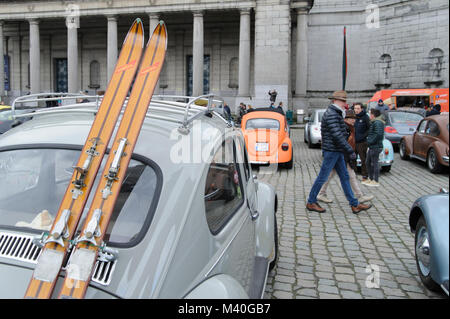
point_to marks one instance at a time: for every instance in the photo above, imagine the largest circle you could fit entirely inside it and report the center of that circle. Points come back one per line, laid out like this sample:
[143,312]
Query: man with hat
[334,149]
[382,107]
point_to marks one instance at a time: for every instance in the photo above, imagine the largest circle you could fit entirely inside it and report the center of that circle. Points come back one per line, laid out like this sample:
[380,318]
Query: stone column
[153,21]
[244,54]
[2,72]
[301,74]
[180,73]
[72,58]
[111,46]
[35,57]
[197,55]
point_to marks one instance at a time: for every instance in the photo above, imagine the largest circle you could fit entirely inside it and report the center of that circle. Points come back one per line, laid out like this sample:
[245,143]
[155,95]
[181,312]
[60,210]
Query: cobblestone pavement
[336,254]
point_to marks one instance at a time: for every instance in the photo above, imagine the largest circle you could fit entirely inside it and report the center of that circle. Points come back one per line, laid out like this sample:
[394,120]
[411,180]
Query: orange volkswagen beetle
[266,134]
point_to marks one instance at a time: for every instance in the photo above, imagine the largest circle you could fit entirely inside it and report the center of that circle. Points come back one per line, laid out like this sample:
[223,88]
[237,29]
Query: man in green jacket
[375,138]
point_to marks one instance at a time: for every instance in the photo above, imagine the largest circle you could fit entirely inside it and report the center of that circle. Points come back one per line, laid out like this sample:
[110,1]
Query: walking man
[334,147]
[362,125]
[375,138]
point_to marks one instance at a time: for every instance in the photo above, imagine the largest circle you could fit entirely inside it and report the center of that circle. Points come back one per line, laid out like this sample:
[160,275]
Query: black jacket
[362,125]
[376,133]
[334,131]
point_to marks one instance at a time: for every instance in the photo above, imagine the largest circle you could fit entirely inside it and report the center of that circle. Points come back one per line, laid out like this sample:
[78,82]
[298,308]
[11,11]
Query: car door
[419,140]
[228,216]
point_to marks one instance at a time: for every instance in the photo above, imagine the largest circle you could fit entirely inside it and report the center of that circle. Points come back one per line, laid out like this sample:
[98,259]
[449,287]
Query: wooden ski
[56,242]
[90,242]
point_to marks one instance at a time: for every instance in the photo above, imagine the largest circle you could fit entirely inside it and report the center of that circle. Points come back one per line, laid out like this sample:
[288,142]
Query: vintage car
[401,122]
[429,143]
[385,159]
[428,219]
[312,134]
[182,227]
[266,134]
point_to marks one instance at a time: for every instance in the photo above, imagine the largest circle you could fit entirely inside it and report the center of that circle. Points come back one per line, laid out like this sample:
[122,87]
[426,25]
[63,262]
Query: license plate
[262,147]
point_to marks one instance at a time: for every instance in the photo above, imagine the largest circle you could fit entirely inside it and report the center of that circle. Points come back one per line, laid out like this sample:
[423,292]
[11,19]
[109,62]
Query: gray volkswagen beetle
[429,220]
[191,220]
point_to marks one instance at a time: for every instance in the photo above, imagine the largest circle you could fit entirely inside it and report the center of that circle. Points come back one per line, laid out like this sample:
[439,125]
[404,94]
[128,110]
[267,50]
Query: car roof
[159,135]
[264,113]
[440,118]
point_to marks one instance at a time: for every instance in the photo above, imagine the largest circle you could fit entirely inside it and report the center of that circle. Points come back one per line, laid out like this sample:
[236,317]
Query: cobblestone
[330,255]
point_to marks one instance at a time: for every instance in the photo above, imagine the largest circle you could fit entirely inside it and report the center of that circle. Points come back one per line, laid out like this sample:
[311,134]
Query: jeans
[372,163]
[353,182]
[333,160]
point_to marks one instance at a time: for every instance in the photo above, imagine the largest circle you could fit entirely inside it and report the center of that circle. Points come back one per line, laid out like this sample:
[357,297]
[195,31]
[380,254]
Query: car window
[320,114]
[242,157]
[35,180]
[7,114]
[432,129]
[262,123]
[404,118]
[422,126]
[223,188]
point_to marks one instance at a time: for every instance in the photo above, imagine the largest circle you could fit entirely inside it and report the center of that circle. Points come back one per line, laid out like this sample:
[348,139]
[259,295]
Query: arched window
[436,57]
[384,67]
[234,73]
[94,75]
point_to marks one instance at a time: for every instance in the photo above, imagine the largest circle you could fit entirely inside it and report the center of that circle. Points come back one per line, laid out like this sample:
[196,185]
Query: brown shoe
[360,207]
[315,208]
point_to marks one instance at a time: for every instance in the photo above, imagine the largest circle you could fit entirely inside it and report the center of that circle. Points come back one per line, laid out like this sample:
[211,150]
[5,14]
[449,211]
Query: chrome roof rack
[34,99]
[190,108]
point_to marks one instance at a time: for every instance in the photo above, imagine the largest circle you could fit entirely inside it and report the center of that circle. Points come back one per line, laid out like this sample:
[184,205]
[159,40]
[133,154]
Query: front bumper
[445,159]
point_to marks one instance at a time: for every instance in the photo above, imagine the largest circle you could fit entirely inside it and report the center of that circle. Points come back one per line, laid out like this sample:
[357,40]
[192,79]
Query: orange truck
[411,98]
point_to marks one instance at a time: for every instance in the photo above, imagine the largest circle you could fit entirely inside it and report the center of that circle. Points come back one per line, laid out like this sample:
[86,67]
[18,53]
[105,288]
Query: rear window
[320,114]
[33,182]
[404,118]
[262,123]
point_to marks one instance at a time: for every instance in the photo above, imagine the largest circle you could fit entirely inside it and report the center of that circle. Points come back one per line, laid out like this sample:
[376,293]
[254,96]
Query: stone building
[237,49]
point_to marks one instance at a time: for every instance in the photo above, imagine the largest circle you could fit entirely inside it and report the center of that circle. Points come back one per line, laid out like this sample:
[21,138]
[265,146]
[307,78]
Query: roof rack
[34,99]
[191,108]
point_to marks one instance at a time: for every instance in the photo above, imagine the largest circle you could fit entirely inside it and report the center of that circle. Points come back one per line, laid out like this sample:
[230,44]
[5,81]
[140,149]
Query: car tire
[402,151]
[432,162]
[274,262]
[386,169]
[290,164]
[422,252]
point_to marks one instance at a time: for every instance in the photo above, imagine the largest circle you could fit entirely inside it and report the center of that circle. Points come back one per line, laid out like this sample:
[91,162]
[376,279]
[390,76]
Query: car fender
[408,143]
[388,145]
[434,208]
[218,287]
[265,241]
[439,147]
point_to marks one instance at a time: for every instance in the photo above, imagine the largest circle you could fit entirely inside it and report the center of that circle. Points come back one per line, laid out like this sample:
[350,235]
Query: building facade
[237,49]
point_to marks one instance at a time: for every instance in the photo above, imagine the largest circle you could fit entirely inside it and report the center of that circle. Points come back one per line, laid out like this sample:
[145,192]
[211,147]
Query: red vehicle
[411,98]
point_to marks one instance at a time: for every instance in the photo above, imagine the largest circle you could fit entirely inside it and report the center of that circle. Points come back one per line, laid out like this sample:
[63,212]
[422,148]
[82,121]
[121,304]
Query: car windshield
[33,183]
[262,123]
[404,118]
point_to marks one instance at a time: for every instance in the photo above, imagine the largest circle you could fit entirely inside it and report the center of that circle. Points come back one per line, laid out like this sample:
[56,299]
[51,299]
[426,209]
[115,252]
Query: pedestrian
[242,111]
[273,95]
[375,138]
[350,119]
[382,107]
[334,147]
[436,110]
[362,125]
[227,112]
[280,106]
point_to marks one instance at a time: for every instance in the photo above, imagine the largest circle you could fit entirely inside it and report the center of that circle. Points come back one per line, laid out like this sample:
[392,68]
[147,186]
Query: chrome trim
[19,247]
[445,158]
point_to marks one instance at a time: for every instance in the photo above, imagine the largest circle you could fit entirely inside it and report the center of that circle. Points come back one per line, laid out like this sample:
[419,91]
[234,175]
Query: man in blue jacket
[334,147]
